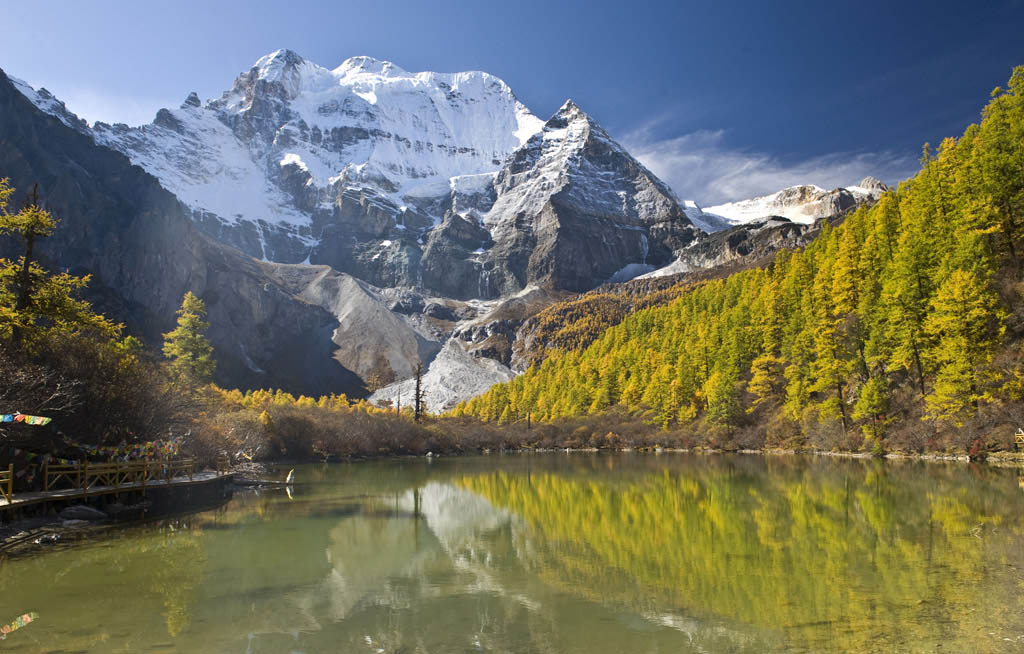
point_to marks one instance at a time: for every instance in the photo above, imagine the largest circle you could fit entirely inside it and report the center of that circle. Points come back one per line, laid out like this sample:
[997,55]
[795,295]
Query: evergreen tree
[766,380]
[962,322]
[35,304]
[417,397]
[722,389]
[871,405]
[186,346]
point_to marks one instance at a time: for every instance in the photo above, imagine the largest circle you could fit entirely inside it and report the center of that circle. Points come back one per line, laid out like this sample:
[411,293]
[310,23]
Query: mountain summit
[440,182]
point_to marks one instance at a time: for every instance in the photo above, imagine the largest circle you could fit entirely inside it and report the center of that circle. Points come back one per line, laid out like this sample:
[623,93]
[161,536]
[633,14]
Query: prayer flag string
[21,417]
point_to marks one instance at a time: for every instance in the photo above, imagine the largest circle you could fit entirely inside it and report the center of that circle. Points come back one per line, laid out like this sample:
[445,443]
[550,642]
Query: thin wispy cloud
[699,166]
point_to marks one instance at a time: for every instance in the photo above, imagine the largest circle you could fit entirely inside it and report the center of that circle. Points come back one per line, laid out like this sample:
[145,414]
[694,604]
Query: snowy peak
[362,166]
[595,211]
[399,140]
[569,115]
[282,74]
[569,111]
[869,186]
[368,66]
[276,65]
[804,203]
[47,103]
[575,158]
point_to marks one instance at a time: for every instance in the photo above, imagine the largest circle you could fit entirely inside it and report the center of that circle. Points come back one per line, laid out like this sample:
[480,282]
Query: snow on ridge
[430,126]
[676,267]
[801,203]
[364,64]
[208,169]
[48,104]
[631,271]
[705,220]
[292,158]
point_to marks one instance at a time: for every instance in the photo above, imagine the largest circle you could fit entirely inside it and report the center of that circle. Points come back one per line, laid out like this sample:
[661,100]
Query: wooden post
[10,482]
[84,485]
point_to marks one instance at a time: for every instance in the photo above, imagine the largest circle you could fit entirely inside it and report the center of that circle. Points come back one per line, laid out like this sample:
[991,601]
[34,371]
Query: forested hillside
[900,328]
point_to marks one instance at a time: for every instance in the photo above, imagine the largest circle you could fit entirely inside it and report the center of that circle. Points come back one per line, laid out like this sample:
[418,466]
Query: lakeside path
[21,500]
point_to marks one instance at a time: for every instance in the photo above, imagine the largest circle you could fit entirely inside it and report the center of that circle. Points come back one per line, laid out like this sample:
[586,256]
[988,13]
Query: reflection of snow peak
[367,551]
[456,516]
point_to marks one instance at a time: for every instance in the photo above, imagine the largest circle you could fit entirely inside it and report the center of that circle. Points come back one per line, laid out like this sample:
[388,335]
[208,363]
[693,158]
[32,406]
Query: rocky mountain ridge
[444,183]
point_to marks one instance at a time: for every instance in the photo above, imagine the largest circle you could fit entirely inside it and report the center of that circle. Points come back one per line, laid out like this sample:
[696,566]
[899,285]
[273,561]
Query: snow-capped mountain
[293,147]
[754,229]
[442,182]
[801,204]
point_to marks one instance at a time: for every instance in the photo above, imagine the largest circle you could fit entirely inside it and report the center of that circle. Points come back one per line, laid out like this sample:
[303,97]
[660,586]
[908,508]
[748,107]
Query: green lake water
[563,553]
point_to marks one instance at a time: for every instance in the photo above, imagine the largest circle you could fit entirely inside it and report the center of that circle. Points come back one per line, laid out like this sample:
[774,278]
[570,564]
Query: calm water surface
[560,553]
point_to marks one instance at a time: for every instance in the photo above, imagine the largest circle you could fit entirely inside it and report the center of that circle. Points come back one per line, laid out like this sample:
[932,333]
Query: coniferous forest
[898,329]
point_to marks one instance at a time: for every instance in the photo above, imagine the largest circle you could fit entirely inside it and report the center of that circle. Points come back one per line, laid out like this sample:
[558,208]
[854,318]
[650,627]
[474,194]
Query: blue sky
[724,100]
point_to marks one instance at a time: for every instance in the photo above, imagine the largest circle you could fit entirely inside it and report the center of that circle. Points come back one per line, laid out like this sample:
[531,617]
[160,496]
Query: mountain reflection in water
[555,553]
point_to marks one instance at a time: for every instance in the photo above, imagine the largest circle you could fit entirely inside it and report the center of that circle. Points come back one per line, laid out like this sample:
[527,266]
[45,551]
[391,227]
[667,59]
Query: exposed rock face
[573,207]
[872,185]
[747,242]
[371,340]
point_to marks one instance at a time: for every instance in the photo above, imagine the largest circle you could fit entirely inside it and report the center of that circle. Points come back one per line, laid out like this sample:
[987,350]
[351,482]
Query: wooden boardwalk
[85,480]
[26,499]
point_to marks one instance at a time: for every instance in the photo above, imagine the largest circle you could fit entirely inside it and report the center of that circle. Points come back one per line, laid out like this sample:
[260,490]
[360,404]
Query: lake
[593,553]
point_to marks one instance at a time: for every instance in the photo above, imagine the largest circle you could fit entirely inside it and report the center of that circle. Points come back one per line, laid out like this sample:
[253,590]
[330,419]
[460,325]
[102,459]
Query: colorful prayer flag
[21,417]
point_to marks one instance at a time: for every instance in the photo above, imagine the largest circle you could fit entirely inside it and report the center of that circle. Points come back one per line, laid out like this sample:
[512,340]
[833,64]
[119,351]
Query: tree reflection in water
[556,553]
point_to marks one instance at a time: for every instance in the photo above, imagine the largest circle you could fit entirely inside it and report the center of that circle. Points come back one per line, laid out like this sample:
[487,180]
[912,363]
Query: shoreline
[1000,458]
[38,533]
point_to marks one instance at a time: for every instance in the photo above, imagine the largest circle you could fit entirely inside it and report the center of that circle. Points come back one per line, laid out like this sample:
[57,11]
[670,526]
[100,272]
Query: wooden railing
[223,463]
[85,475]
[7,483]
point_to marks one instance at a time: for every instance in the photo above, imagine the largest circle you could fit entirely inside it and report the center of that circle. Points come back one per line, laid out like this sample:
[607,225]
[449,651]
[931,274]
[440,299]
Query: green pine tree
[186,346]
[35,304]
